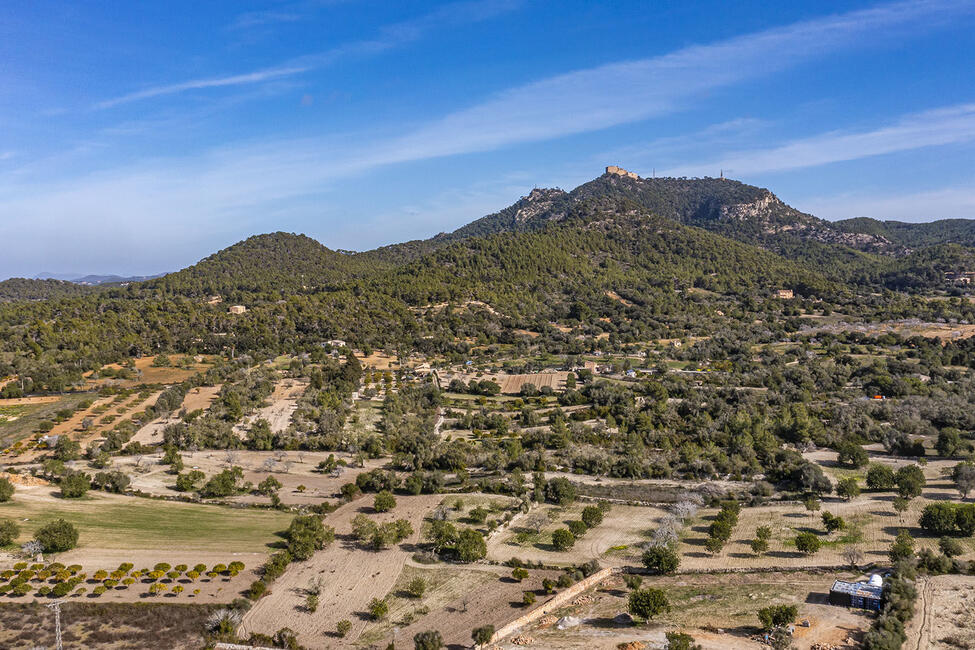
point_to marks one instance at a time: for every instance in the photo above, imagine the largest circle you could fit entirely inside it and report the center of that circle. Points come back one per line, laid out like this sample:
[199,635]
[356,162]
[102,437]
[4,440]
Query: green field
[135,523]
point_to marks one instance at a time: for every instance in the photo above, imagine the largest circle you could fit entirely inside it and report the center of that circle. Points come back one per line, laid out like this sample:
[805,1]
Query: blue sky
[140,137]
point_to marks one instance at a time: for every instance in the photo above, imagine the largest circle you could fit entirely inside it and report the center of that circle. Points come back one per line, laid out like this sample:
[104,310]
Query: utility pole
[56,606]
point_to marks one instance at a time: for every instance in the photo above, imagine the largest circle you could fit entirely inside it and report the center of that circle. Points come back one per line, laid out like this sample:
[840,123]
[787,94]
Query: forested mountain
[914,235]
[637,258]
[25,289]
[263,264]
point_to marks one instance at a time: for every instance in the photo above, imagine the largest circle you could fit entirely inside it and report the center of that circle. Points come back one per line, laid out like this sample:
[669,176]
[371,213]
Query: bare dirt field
[612,542]
[351,576]
[719,611]
[944,615]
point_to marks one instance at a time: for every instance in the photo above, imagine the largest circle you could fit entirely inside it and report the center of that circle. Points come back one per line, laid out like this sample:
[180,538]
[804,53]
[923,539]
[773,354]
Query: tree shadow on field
[796,515]
[914,531]
[883,513]
[697,554]
[695,541]
[785,554]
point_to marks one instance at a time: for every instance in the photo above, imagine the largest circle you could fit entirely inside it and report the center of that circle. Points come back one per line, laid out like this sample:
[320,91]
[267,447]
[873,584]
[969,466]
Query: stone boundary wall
[237,646]
[559,600]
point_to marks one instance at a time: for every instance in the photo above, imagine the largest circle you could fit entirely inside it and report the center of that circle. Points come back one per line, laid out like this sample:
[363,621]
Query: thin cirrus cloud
[213,188]
[390,37]
[942,126]
[197,84]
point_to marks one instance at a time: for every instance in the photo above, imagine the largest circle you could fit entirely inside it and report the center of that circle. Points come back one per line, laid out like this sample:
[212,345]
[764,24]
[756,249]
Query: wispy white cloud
[390,37]
[956,201]
[197,84]
[630,91]
[277,183]
[943,126]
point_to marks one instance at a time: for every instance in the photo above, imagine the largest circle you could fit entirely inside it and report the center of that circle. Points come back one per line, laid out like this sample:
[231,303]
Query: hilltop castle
[619,171]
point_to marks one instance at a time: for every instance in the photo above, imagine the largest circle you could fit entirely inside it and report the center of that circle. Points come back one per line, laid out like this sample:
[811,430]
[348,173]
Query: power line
[56,606]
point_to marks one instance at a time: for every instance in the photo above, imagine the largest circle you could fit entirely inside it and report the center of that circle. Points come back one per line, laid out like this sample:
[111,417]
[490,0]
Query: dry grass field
[352,577]
[292,469]
[944,615]
[718,610]
[613,542]
[457,600]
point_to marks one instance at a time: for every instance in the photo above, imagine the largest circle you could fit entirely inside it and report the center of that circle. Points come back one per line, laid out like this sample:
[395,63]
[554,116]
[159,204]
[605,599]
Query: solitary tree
[563,539]
[647,603]
[807,543]
[661,560]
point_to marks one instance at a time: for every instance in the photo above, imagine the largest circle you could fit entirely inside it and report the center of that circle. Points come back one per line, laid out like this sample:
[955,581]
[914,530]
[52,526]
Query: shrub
[880,477]
[832,522]
[482,635]
[57,536]
[378,609]
[428,640]
[577,528]
[343,627]
[632,581]
[950,547]
[776,615]
[6,490]
[470,545]
[257,589]
[563,539]
[592,516]
[661,560]
[807,543]
[647,603]
[75,485]
[416,587]
[528,598]
[519,574]
[9,530]
[384,501]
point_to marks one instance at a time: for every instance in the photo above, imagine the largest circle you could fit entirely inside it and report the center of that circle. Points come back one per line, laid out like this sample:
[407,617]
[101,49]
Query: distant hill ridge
[614,210]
